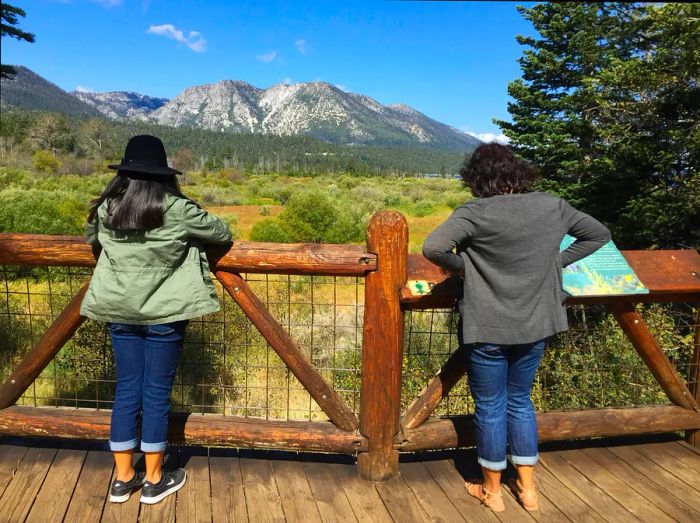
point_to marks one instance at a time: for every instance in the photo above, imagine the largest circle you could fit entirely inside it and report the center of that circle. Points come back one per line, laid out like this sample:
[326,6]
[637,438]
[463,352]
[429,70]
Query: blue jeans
[500,379]
[146,357]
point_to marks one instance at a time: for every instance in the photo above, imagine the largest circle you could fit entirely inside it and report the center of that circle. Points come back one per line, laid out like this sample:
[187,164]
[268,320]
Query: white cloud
[82,89]
[487,137]
[287,80]
[300,44]
[341,87]
[267,57]
[194,40]
[107,3]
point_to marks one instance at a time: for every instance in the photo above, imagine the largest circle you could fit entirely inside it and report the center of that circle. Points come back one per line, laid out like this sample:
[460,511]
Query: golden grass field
[247,215]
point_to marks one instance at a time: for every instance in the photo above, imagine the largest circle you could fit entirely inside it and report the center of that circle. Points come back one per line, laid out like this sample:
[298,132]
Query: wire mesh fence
[228,368]
[592,365]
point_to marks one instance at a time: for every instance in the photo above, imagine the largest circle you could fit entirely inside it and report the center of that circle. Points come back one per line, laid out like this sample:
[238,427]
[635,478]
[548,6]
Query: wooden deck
[47,480]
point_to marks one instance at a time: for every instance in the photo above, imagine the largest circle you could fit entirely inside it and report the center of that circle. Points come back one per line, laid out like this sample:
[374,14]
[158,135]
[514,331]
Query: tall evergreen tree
[8,27]
[607,108]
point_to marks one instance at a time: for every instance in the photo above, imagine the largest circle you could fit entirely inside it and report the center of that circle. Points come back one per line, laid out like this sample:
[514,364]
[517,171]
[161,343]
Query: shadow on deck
[650,479]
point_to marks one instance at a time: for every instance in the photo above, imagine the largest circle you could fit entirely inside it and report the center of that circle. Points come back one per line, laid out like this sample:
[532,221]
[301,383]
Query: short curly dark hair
[494,169]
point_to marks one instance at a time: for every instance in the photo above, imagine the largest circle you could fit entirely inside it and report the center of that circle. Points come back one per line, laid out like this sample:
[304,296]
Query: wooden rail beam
[438,388]
[670,276]
[289,258]
[655,358]
[191,429]
[458,431]
[382,346]
[290,353]
[60,331]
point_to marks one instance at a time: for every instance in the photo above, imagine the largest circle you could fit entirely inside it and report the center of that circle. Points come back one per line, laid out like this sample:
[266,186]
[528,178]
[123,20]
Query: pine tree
[8,27]
[607,107]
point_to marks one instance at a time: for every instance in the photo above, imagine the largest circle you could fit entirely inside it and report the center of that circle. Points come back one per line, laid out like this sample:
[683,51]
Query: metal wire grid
[430,337]
[593,365]
[226,366]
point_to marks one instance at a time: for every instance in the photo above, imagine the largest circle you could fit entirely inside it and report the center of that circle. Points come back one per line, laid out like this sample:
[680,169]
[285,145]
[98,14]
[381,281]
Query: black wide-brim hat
[145,154]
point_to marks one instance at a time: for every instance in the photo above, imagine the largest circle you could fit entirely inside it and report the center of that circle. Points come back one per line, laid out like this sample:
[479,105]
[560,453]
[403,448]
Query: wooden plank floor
[651,480]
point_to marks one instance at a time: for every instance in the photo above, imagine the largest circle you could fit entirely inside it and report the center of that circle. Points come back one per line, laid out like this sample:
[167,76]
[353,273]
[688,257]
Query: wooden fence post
[693,436]
[382,345]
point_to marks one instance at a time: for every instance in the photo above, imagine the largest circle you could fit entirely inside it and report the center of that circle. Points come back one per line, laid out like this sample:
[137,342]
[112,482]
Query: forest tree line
[84,145]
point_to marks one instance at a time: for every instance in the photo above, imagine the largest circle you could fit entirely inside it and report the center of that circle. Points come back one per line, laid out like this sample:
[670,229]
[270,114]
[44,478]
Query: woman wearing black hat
[151,277]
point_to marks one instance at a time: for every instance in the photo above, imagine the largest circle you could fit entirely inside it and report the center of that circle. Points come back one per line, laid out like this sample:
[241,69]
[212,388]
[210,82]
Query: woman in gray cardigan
[507,250]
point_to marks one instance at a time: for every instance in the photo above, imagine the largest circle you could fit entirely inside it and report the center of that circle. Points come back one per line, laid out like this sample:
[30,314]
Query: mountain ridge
[29,90]
[121,104]
[317,109]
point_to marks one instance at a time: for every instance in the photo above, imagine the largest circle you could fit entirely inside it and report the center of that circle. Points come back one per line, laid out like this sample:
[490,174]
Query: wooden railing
[381,431]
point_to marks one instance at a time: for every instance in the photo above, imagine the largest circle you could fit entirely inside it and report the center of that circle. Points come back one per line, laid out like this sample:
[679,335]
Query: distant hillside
[28,90]
[316,109]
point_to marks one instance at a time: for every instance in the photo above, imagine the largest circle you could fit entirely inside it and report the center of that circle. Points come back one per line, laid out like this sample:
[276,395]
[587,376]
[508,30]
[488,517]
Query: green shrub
[219,196]
[232,222]
[455,199]
[423,208]
[308,216]
[349,227]
[45,161]
[10,177]
[393,200]
[268,230]
[42,212]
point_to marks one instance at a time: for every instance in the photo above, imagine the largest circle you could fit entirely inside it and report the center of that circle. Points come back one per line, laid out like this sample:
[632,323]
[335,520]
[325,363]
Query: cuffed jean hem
[524,460]
[153,447]
[493,465]
[117,446]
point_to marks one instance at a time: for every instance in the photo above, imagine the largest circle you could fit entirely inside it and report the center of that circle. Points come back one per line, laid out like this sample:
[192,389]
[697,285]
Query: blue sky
[450,60]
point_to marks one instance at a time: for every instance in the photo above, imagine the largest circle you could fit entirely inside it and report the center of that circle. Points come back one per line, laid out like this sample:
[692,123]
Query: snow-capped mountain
[121,104]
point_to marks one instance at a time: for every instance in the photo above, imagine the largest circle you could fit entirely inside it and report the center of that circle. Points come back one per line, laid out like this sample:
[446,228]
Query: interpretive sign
[602,273]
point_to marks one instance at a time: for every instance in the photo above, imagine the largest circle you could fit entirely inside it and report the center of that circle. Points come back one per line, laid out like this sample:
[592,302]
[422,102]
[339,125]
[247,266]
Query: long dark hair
[494,169]
[136,201]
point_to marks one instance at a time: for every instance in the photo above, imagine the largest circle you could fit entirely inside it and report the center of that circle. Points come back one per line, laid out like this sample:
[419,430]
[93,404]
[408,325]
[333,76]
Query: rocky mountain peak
[317,109]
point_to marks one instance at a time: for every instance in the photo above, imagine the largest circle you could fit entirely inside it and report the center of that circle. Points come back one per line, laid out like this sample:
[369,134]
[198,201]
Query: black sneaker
[121,491]
[169,482]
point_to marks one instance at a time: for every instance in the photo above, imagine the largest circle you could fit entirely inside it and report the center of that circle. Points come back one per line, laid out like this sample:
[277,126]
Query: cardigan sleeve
[590,235]
[457,230]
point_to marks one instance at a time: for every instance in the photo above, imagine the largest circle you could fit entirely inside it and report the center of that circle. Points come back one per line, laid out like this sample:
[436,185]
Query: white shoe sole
[155,499]
[125,497]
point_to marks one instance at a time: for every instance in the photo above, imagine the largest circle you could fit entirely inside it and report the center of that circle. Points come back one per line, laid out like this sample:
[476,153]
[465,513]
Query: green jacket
[156,276]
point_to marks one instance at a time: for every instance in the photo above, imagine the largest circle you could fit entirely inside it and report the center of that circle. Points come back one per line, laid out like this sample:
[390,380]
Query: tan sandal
[527,497]
[492,500]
